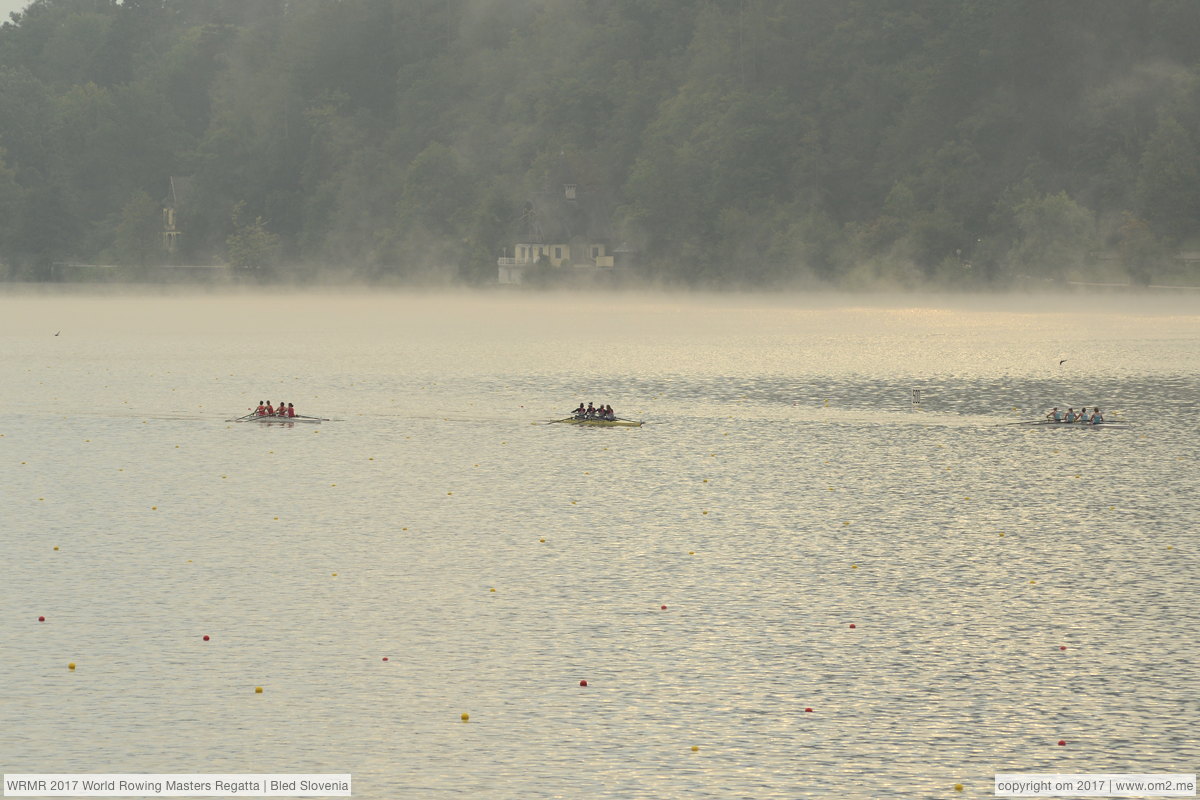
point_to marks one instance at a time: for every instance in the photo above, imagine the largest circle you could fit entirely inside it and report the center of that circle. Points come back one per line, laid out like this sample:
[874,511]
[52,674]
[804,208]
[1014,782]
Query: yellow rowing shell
[603,423]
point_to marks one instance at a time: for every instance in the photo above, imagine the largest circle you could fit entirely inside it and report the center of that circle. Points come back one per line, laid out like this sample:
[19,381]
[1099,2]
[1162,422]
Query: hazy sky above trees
[9,6]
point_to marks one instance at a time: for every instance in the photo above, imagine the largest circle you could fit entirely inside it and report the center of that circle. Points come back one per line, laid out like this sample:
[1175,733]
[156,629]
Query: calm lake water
[783,489]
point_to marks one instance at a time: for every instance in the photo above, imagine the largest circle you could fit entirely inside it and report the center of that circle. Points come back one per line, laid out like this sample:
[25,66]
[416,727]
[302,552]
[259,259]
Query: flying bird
[1060,363]
[56,333]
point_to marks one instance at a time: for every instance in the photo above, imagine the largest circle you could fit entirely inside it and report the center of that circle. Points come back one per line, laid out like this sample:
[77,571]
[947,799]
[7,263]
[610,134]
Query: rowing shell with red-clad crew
[269,413]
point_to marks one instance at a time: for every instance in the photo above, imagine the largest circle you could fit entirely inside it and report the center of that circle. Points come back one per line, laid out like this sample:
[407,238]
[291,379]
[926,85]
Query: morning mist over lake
[530,399]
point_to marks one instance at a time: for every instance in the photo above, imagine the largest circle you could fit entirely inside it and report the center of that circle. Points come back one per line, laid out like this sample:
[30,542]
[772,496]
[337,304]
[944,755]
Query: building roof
[554,216]
[177,191]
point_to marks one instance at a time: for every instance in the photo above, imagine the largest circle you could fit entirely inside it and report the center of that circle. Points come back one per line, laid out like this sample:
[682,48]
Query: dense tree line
[746,142]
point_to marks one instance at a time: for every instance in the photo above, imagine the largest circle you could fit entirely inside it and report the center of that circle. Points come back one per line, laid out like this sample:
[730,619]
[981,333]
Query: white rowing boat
[274,419]
[597,422]
[1049,423]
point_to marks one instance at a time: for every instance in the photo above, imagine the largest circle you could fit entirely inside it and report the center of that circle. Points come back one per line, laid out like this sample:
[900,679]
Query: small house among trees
[563,232]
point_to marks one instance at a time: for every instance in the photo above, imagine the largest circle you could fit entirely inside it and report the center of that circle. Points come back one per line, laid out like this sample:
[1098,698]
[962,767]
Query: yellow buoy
[55,547]
[541,540]
[854,566]
[491,590]
[695,748]
[703,512]
[958,787]
[71,665]
[465,716]
[258,690]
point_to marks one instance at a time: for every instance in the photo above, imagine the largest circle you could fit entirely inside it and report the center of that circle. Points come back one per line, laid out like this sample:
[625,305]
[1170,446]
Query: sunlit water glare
[783,488]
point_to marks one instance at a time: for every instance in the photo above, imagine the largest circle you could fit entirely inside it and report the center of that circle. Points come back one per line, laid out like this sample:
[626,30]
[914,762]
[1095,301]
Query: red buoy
[664,608]
[1062,647]
[41,619]
[808,710]
[385,658]
[852,625]
[1062,742]
[583,683]
[206,637]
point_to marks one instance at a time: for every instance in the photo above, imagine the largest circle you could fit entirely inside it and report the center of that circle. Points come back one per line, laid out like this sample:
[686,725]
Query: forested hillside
[744,142]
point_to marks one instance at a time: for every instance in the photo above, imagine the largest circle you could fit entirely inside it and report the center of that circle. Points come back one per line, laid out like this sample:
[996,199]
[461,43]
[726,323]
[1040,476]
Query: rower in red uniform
[270,409]
[282,410]
[262,410]
[291,412]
